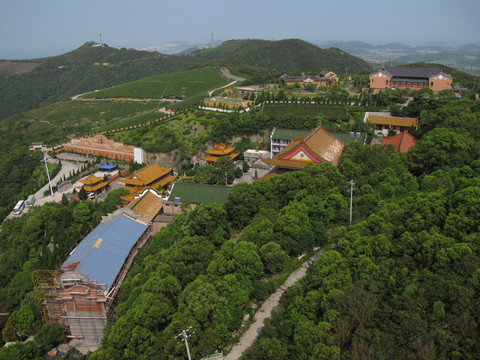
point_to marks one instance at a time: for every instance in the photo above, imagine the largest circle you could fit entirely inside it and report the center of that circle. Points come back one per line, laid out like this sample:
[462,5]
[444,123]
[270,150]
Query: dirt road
[250,336]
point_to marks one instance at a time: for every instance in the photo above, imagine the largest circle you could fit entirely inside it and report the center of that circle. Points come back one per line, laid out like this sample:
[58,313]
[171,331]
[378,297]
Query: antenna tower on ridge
[213,44]
[101,43]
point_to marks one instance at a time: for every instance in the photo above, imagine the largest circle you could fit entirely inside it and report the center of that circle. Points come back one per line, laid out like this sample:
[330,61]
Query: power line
[185,337]
[416,338]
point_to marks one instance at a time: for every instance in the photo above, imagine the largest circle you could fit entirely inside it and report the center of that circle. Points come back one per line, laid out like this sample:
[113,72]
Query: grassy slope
[178,84]
[58,122]
[185,132]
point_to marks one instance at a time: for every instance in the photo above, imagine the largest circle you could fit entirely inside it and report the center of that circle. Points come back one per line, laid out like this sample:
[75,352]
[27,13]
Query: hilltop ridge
[88,67]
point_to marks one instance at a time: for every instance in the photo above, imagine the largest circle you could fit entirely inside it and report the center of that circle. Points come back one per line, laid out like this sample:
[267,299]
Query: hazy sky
[37,28]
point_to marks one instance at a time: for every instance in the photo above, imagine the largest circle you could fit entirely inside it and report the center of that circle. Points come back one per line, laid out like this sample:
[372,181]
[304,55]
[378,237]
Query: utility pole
[351,199]
[185,337]
[48,175]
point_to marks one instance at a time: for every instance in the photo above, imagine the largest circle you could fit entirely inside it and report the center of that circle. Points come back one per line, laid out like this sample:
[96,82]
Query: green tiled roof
[199,193]
[285,134]
[347,139]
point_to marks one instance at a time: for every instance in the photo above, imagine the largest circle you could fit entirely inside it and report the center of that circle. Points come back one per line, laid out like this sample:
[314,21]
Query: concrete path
[251,335]
[67,167]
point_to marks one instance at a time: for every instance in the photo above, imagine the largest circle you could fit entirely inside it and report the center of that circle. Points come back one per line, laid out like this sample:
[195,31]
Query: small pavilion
[94,184]
[218,151]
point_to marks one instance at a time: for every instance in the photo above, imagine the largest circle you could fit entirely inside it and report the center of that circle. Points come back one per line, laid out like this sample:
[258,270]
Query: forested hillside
[402,282]
[89,68]
[84,69]
[291,55]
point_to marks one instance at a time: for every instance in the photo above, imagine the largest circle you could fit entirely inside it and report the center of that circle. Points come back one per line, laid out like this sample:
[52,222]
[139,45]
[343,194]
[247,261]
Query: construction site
[80,296]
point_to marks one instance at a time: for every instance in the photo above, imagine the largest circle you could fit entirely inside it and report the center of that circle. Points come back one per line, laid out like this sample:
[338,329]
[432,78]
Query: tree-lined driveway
[251,335]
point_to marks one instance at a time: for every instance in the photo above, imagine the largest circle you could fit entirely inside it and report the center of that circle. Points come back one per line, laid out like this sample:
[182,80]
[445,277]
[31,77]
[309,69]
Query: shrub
[238,173]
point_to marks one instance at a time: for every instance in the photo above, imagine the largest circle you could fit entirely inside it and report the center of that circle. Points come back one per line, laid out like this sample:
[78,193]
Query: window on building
[386,82]
[431,84]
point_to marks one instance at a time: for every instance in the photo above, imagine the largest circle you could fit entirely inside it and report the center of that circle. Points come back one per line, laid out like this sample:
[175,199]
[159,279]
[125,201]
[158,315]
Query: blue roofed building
[107,167]
[95,269]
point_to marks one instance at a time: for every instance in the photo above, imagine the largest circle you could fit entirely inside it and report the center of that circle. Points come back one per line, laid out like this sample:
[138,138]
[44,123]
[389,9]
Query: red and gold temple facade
[317,147]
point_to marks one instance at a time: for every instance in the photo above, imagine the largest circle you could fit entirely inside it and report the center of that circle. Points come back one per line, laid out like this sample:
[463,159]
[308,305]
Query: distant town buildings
[325,78]
[102,146]
[410,78]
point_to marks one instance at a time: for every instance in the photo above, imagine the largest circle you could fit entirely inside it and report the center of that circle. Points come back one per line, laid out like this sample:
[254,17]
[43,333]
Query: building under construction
[81,298]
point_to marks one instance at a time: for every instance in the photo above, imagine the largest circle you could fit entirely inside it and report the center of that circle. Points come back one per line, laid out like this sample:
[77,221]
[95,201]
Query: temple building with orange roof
[410,78]
[384,122]
[317,147]
[148,205]
[325,78]
[100,145]
[93,184]
[218,151]
[401,142]
[151,176]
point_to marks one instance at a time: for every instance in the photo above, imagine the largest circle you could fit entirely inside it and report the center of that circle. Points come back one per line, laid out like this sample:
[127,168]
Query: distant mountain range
[355,46]
[28,84]
[465,57]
